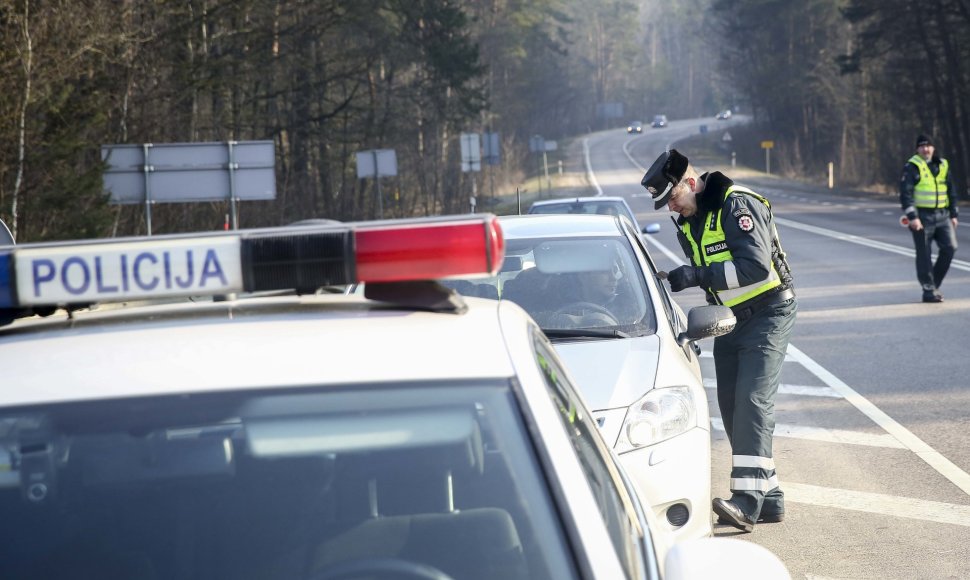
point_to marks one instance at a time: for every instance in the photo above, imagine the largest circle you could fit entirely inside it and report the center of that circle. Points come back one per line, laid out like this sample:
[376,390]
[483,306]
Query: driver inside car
[594,299]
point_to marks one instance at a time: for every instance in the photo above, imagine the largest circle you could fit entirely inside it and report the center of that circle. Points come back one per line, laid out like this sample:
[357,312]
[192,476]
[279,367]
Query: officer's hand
[915,224]
[684,277]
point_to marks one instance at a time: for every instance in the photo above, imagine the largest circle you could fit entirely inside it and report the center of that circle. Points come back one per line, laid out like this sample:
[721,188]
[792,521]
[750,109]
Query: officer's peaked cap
[665,173]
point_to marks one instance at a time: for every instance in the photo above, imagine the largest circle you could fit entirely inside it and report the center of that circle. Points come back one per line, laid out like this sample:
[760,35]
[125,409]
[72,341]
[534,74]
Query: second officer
[735,255]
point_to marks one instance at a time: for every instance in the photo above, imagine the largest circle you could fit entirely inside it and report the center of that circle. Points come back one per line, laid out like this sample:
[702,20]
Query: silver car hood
[612,373]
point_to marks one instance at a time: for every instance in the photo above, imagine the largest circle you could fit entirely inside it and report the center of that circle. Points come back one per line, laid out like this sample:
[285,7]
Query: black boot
[732,515]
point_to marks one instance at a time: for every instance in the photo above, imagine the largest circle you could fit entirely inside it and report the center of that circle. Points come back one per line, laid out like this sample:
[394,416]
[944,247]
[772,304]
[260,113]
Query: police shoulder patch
[741,211]
[745,223]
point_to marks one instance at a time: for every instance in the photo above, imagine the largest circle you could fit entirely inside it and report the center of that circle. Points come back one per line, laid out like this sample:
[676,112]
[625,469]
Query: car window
[575,283]
[612,496]
[277,484]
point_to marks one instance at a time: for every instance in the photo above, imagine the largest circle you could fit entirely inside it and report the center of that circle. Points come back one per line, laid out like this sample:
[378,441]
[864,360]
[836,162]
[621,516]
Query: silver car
[592,287]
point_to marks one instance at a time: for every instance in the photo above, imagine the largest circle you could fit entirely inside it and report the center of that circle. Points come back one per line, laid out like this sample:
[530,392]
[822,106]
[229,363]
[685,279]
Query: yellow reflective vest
[713,248]
[930,192]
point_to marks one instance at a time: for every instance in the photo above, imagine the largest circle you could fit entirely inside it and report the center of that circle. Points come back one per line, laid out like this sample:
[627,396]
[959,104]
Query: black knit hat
[665,173]
[923,140]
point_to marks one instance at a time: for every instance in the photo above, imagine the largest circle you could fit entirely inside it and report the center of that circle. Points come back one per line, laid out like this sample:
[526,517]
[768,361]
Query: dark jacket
[907,184]
[752,252]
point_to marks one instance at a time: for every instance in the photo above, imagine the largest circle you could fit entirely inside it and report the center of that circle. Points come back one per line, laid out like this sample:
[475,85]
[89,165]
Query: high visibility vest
[713,249]
[930,192]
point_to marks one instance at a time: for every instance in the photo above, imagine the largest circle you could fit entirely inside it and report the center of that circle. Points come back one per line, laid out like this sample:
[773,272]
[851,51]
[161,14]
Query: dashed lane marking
[820,434]
[877,503]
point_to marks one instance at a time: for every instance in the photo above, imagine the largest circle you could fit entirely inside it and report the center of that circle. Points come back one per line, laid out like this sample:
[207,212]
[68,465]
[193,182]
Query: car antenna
[518,200]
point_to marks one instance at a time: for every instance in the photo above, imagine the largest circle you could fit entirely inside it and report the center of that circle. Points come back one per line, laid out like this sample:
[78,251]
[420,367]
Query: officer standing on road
[930,204]
[729,236]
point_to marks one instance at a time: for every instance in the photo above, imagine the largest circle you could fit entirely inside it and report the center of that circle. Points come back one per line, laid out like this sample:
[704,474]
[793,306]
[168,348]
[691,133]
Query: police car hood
[612,373]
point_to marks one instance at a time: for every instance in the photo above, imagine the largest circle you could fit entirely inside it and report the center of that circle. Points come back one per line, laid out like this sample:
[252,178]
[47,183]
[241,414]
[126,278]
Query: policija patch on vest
[715,248]
[745,223]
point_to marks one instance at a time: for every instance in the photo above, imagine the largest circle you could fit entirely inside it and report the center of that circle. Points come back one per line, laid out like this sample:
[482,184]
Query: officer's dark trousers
[748,364]
[936,227]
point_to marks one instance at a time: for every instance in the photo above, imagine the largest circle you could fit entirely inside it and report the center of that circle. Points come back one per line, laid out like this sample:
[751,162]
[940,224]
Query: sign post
[492,155]
[471,160]
[377,163]
[767,145]
[538,145]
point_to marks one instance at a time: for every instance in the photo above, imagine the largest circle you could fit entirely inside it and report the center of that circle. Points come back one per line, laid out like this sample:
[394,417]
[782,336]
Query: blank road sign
[187,172]
[471,152]
[376,163]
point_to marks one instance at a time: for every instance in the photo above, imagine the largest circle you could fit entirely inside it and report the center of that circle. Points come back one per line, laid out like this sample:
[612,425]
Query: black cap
[665,173]
[923,140]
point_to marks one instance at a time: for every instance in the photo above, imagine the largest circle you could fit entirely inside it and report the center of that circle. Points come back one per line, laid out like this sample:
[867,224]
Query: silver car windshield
[278,485]
[571,284]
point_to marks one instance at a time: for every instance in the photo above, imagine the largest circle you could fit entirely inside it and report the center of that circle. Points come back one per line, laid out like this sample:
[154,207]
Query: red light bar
[429,250]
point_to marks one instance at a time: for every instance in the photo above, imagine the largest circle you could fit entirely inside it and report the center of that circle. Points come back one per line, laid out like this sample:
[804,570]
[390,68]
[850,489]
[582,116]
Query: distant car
[635,127]
[593,205]
[659,121]
[724,115]
[593,288]
[276,432]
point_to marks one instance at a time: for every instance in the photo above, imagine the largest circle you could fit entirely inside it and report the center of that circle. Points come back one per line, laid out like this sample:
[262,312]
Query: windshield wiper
[584,333]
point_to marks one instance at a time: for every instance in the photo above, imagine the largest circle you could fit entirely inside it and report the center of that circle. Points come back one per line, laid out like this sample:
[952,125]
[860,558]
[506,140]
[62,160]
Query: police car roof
[249,344]
[559,225]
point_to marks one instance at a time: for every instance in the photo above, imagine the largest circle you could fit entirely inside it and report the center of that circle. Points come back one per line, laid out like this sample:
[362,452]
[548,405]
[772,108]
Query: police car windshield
[276,485]
[572,284]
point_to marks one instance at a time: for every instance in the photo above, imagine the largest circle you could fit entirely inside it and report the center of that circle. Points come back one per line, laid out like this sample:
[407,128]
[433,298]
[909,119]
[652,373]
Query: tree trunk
[27,56]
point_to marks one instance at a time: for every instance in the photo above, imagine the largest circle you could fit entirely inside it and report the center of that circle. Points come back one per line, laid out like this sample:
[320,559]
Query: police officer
[929,202]
[729,237]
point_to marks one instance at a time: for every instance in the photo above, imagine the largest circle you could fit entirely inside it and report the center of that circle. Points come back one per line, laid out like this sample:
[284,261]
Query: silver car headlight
[658,416]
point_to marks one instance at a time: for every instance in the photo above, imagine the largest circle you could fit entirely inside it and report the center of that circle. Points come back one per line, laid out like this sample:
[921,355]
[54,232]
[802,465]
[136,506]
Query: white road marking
[935,459]
[908,252]
[673,257]
[589,168]
[786,389]
[839,436]
[877,503]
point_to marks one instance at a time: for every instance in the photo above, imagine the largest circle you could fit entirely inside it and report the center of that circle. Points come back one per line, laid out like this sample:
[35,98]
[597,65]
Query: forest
[845,81]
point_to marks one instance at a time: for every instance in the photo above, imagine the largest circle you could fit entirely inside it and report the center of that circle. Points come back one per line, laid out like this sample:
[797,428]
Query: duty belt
[748,308]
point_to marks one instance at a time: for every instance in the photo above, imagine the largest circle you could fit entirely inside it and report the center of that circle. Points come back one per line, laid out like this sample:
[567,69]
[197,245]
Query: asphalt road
[871,443]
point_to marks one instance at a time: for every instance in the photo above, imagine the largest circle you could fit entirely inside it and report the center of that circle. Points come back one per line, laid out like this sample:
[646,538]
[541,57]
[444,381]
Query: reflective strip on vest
[930,191]
[715,250]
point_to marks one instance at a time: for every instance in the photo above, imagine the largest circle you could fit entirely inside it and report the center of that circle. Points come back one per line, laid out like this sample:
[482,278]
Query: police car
[196,408]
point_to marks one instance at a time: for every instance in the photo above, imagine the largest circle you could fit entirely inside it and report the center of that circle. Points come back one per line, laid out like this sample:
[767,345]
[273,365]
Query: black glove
[684,277]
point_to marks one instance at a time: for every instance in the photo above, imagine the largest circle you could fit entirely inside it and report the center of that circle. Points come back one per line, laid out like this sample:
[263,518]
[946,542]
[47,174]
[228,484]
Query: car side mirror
[707,322]
[651,228]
